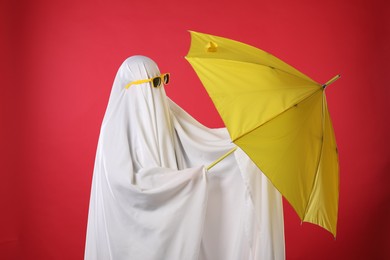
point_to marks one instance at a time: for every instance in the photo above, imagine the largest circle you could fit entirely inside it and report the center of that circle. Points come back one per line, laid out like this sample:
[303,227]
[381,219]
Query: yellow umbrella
[279,117]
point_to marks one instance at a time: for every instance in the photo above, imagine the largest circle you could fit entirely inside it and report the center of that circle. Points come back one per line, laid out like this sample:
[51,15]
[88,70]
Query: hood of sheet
[151,197]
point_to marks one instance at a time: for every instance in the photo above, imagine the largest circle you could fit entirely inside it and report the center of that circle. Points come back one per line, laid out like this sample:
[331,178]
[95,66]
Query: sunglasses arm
[137,82]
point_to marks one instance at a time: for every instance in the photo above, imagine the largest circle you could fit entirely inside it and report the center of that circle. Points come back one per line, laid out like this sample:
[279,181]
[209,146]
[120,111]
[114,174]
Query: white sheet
[151,196]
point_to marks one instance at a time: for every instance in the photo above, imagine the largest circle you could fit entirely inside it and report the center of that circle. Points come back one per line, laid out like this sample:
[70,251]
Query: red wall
[59,59]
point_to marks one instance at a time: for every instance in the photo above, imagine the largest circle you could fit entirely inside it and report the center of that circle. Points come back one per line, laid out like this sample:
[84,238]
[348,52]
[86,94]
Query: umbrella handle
[221,158]
[331,81]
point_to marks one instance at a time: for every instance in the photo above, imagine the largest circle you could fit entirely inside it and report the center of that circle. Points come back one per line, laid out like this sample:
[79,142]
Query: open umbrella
[279,117]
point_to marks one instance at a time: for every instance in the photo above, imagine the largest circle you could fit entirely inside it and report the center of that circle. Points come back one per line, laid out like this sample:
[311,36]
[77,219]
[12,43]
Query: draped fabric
[151,196]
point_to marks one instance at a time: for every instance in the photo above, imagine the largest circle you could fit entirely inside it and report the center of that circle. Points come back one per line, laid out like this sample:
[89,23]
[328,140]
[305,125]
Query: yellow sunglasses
[156,81]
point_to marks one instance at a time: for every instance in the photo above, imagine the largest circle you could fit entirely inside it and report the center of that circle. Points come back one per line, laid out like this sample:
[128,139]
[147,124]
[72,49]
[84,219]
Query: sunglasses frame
[141,81]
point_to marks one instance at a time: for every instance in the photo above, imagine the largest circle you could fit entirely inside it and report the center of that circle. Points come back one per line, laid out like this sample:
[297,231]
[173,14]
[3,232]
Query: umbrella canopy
[279,117]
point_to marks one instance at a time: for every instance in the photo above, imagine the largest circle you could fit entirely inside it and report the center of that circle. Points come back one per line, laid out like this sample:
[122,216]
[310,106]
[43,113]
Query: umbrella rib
[248,132]
[318,159]
[246,62]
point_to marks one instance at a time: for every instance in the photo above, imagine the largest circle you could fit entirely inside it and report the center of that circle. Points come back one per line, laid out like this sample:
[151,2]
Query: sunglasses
[156,81]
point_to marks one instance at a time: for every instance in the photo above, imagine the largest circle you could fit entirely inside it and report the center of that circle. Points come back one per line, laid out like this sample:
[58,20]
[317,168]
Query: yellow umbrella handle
[331,81]
[221,158]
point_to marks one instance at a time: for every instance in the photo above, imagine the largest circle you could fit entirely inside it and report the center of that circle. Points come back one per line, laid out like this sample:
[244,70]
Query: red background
[59,59]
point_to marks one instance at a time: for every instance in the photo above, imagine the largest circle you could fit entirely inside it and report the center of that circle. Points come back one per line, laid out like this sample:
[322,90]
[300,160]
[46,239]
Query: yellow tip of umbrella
[332,80]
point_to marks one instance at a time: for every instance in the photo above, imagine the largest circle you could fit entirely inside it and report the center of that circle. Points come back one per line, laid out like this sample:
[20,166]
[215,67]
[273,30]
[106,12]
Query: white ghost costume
[151,197]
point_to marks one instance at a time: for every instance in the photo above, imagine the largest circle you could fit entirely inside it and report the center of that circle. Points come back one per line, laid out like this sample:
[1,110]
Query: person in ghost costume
[151,196]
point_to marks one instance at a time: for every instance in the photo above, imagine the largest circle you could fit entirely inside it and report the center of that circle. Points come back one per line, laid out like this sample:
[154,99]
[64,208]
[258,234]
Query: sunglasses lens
[166,78]
[156,82]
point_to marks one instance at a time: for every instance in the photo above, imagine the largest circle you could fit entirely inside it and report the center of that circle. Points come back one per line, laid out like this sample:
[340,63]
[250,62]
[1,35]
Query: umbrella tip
[211,47]
[331,81]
